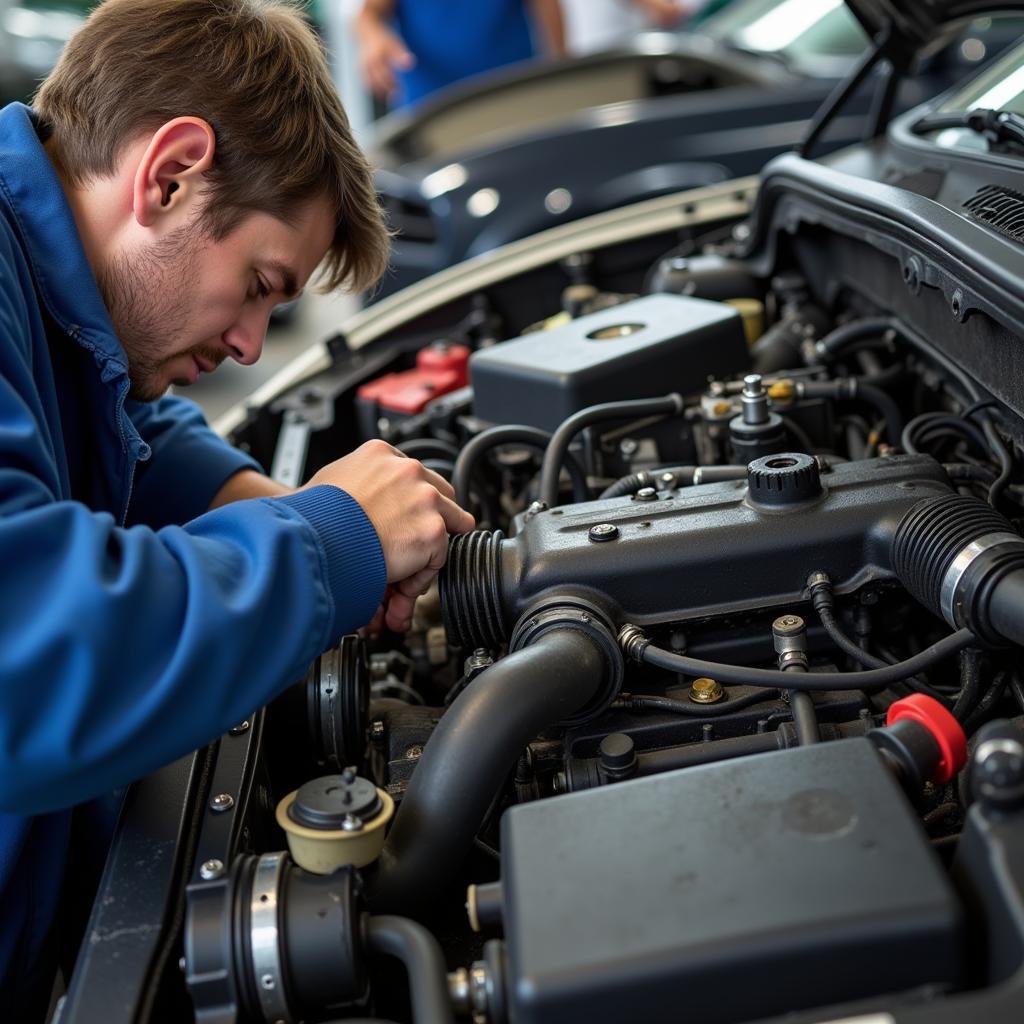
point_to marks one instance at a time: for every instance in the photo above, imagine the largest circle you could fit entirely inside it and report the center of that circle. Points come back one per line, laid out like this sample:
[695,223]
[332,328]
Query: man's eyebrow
[289,285]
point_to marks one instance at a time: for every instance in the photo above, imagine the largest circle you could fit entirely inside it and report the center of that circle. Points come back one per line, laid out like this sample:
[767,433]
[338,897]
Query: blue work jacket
[134,625]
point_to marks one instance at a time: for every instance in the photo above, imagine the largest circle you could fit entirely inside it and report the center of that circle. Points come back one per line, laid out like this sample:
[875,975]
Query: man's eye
[262,288]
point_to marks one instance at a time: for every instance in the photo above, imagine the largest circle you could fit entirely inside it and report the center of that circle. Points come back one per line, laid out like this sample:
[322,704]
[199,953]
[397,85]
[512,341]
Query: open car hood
[916,22]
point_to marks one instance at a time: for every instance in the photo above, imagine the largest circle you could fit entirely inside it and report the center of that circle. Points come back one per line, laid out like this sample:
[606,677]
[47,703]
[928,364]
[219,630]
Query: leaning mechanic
[186,167]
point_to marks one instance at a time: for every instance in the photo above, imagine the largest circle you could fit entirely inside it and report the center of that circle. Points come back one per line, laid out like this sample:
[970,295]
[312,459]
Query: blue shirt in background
[453,39]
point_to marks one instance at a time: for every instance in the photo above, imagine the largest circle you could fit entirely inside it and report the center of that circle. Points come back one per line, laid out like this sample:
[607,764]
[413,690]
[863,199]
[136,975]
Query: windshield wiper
[1000,127]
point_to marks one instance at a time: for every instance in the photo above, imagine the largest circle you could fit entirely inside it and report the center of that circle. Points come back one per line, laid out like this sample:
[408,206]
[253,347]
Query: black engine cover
[724,893]
[693,553]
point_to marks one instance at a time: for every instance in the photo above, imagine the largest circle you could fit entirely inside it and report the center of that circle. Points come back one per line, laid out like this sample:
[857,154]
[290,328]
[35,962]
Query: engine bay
[719,711]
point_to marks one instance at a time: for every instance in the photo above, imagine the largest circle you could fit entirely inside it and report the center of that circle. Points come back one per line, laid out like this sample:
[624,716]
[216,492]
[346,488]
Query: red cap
[944,729]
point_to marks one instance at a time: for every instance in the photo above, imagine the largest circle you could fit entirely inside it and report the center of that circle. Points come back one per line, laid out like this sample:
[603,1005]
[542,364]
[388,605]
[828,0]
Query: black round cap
[789,478]
[325,802]
[617,751]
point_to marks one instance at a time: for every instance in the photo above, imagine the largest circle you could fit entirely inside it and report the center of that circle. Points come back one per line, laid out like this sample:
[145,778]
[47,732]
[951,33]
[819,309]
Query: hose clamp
[264,939]
[951,596]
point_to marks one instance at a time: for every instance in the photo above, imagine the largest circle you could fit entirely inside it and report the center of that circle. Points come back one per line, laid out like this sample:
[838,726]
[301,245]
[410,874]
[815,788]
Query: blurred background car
[504,155]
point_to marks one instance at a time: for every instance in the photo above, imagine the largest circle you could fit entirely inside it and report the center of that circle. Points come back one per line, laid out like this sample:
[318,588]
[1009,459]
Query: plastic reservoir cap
[944,728]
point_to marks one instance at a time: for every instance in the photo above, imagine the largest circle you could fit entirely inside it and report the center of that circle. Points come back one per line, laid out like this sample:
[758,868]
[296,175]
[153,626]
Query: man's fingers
[439,482]
[456,519]
[399,612]
[417,584]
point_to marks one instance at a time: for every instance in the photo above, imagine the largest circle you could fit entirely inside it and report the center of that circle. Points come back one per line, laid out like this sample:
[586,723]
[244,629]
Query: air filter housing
[641,349]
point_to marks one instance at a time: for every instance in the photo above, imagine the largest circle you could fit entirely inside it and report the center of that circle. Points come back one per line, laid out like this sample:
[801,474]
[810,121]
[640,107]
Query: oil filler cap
[943,728]
[790,478]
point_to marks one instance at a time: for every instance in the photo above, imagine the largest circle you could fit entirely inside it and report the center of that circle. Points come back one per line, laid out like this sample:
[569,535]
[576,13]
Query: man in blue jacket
[185,167]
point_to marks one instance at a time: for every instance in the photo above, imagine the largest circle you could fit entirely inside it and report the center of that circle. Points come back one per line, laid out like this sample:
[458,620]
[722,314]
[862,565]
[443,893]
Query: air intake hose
[565,664]
[964,561]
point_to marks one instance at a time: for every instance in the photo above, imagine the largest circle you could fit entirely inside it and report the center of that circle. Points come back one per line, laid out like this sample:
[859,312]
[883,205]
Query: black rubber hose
[834,343]
[805,718]
[508,434]
[823,601]
[557,450]
[469,755]
[914,432]
[970,683]
[886,406]
[1006,607]
[976,719]
[868,680]
[420,952]
[682,476]
[428,448]
[637,702]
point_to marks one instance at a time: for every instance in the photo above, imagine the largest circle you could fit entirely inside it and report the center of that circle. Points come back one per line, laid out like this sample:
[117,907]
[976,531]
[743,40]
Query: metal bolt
[603,531]
[222,802]
[211,869]
[350,823]
[706,691]
[788,625]
[628,447]
[242,727]
[414,751]
[267,981]
[376,730]
[646,494]
[182,964]
[535,509]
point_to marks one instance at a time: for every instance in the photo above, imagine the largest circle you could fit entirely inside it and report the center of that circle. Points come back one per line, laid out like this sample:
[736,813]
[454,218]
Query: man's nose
[245,337]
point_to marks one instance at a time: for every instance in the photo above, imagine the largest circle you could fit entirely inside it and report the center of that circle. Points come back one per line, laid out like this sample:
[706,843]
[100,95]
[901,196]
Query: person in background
[411,48]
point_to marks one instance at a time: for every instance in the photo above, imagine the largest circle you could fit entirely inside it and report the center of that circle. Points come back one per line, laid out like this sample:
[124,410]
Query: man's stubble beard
[148,296]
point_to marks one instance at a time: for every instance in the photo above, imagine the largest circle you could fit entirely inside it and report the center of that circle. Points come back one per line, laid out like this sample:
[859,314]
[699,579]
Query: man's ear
[169,176]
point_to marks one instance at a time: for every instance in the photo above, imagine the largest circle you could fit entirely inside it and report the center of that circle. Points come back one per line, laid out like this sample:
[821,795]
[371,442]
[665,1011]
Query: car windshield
[1000,87]
[799,31]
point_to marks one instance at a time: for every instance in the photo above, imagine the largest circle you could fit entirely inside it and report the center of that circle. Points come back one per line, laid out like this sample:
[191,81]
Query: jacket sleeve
[188,465]
[124,648]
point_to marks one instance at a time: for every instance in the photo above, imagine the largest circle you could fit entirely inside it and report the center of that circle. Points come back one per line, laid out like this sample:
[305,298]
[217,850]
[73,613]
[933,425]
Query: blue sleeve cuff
[354,570]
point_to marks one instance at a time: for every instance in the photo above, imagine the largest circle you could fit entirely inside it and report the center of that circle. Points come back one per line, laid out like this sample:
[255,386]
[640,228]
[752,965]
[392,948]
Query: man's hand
[381,53]
[412,510]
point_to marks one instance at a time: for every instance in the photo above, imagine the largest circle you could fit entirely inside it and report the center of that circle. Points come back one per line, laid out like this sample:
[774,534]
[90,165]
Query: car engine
[717,713]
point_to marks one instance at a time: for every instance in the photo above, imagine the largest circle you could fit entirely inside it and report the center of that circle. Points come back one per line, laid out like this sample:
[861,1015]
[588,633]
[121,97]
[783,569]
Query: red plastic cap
[944,728]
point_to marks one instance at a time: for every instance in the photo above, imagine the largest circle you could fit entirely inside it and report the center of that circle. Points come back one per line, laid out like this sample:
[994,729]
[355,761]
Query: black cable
[913,433]
[421,954]
[886,406]
[805,719]
[866,680]
[642,702]
[976,719]
[970,683]
[557,450]
[824,604]
[508,434]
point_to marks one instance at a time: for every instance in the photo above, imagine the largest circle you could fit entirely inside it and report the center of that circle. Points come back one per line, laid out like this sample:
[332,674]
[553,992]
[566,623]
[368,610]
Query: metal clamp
[264,935]
[952,581]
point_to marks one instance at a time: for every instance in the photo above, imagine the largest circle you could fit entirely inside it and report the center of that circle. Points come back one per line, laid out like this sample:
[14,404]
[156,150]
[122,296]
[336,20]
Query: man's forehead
[293,248]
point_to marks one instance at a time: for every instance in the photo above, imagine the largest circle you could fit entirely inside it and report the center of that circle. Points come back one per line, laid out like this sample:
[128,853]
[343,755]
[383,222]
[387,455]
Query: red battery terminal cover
[440,368]
[944,729]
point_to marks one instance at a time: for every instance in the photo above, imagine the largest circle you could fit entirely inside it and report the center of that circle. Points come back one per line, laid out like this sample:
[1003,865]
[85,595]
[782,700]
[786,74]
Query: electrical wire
[865,680]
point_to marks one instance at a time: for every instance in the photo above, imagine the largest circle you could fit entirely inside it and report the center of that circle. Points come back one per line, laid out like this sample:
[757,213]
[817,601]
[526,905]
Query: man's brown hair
[255,71]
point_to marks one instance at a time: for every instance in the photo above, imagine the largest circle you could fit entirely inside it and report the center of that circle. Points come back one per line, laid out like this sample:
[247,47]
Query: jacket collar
[43,218]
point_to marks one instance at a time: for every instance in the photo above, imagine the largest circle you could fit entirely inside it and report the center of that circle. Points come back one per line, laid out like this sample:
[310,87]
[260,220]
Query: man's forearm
[247,483]
[547,17]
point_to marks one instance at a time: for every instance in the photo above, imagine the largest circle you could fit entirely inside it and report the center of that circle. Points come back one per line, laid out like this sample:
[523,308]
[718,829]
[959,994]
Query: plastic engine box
[647,347]
[723,893]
